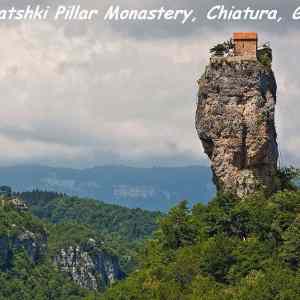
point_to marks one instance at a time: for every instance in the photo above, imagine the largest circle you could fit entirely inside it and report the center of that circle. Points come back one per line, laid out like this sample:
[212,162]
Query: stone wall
[245,47]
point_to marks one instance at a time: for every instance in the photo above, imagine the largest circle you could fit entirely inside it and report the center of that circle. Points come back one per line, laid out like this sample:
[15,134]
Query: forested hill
[228,250]
[128,224]
[146,188]
[39,260]
[53,246]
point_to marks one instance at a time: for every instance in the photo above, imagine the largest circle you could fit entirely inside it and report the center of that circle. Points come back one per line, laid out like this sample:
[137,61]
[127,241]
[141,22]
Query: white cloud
[96,96]
[133,99]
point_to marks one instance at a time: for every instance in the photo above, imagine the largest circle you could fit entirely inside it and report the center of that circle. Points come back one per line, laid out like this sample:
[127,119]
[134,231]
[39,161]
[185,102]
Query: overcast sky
[82,94]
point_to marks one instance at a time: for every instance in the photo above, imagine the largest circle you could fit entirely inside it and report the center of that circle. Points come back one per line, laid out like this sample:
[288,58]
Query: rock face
[27,239]
[235,123]
[19,233]
[14,202]
[88,266]
[34,244]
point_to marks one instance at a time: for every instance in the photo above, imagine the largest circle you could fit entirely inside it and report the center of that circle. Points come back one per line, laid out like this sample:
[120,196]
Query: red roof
[245,36]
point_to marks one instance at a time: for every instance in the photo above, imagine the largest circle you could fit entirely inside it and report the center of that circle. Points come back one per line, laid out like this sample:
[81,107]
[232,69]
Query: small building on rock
[245,44]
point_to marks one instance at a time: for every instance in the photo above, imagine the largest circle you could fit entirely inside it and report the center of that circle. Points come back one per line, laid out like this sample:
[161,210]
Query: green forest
[122,229]
[229,249]
[20,277]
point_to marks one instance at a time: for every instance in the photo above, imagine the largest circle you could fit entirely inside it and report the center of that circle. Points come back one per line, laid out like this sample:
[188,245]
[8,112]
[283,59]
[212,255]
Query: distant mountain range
[147,188]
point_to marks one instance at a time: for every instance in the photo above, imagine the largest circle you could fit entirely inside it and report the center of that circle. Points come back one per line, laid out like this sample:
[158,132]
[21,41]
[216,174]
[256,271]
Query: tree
[221,49]
[218,50]
[177,228]
[290,250]
[287,178]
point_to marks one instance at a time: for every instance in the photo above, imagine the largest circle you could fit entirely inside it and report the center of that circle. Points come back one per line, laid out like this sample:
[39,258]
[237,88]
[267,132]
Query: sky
[89,93]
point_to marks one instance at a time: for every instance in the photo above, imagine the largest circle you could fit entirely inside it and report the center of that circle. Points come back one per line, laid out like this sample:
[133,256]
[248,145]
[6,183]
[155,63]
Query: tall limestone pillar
[235,123]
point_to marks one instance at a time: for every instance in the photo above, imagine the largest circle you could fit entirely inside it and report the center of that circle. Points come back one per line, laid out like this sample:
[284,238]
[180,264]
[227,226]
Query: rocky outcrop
[33,243]
[235,123]
[89,266]
[25,237]
[19,232]
[18,204]
[14,202]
